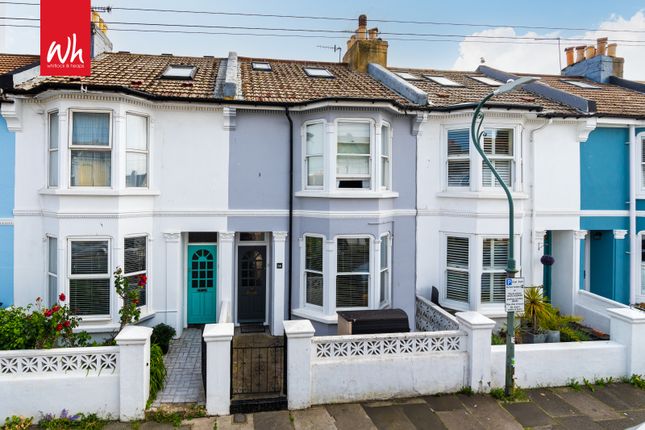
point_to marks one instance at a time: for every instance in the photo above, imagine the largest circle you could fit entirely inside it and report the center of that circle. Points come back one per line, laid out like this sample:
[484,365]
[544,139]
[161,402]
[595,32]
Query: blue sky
[443,55]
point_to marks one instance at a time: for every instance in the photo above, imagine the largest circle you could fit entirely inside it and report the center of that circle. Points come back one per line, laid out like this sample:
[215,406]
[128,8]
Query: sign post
[514,295]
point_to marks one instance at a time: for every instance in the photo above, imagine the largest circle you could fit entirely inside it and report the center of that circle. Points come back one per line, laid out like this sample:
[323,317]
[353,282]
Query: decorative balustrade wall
[430,317]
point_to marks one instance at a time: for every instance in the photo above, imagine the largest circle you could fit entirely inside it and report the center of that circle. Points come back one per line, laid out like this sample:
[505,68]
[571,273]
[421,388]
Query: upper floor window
[353,155]
[386,149]
[458,158]
[643,162]
[136,157]
[498,146]
[90,150]
[89,277]
[314,150]
[52,147]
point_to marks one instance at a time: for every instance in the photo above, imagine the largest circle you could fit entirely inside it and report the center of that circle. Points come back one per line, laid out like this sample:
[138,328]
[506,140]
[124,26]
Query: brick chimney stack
[597,63]
[100,42]
[365,47]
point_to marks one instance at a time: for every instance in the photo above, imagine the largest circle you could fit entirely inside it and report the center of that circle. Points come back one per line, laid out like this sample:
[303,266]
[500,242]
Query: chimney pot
[602,45]
[373,33]
[580,53]
[590,52]
[569,53]
[611,49]
[362,21]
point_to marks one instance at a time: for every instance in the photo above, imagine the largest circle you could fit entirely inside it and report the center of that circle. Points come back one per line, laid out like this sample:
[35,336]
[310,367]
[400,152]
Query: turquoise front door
[202,284]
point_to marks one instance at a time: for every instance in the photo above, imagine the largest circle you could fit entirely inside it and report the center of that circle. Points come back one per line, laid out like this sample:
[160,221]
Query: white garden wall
[556,364]
[112,382]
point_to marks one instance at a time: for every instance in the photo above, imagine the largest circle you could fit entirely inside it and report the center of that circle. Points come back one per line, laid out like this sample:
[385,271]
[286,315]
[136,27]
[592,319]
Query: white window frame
[371,156]
[640,153]
[370,275]
[640,294]
[144,308]
[451,303]
[305,156]
[468,157]
[477,162]
[91,148]
[108,276]
[386,241]
[493,158]
[51,274]
[138,151]
[490,271]
[50,150]
[381,174]
[325,275]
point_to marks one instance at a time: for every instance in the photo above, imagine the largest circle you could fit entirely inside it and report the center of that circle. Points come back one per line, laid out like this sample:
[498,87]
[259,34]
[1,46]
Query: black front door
[251,283]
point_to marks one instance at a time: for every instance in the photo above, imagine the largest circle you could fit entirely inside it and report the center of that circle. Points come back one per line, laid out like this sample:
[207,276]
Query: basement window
[408,76]
[486,80]
[318,72]
[442,80]
[179,72]
[582,84]
[263,66]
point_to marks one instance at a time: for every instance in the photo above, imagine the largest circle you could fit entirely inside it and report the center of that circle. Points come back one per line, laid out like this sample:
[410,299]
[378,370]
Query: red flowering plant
[129,289]
[58,325]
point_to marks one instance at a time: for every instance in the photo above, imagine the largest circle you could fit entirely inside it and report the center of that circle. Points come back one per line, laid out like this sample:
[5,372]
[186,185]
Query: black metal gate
[258,373]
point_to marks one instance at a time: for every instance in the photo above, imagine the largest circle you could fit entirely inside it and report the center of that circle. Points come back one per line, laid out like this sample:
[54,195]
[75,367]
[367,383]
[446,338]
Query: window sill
[103,326]
[367,194]
[315,315]
[98,191]
[493,195]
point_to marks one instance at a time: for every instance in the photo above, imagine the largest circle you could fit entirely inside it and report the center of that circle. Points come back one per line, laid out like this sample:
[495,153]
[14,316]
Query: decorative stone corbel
[172,236]
[417,122]
[585,127]
[620,234]
[539,238]
[580,234]
[12,113]
[229,118]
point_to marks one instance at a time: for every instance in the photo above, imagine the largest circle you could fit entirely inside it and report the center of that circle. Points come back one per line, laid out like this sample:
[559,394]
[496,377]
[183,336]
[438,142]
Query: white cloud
[538,58]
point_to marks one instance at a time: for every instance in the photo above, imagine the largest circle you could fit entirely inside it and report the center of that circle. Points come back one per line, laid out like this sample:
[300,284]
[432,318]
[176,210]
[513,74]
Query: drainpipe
[533,175]
[633,242]
[290,233]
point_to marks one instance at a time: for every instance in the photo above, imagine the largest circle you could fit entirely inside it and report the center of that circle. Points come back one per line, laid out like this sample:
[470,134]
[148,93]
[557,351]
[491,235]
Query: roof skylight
[442,80]
[318,72]
[582,84]
[264,66]
[408,76]
[179,72]
[486,80]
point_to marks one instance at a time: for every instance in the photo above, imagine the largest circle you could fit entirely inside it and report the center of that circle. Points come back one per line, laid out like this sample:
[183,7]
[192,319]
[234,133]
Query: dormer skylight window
[487,81]
[318,72]
[408,76]
[582,84]
[179,72]
[262,66]
[442,80]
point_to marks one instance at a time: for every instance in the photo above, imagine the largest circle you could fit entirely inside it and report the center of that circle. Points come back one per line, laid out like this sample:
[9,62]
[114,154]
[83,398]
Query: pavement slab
[621,424]
[422,417]
[389,418]
[633,396]
[448,402]
[226,423]
[587,405]
[313,419]
[459,420]
[350,416]
[528,414]
[610,399]
[205,423]
[578,423]
[489,413]
[272,420]
[553,405]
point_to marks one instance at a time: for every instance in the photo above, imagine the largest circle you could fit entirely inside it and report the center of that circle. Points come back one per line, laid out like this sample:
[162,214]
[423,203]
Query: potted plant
[537,312]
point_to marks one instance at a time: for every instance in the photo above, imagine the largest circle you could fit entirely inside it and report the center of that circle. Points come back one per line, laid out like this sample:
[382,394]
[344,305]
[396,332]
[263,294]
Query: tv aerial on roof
[334,48]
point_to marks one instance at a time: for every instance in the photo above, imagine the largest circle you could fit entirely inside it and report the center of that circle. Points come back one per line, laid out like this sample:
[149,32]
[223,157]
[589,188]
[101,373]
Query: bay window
[52,153]
[136,155]
[498,146]
[386,149]
[89,277]
[352,272]
[314,279]
[384,285]
[458,158]
[52,270]
[495,255]
[90,150]
[353,155]
[135,265]
[457,269]
[314,159]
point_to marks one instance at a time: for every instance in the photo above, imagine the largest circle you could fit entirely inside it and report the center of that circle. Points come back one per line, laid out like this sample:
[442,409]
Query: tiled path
[183,364]
[618,406]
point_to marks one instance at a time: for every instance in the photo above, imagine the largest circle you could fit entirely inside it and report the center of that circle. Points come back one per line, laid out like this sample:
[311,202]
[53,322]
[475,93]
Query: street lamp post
[477,133]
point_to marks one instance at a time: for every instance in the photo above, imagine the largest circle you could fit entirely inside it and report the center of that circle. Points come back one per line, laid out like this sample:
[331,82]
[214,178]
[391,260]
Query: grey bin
[373,321]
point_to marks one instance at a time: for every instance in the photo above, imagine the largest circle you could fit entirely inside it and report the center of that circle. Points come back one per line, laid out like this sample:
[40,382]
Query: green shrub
[162,334]
[157,372]
[497,339]
[571,334]
[17,423]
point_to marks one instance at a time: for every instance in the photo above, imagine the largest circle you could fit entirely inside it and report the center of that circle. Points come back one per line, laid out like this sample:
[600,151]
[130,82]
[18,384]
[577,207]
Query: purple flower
[63,413]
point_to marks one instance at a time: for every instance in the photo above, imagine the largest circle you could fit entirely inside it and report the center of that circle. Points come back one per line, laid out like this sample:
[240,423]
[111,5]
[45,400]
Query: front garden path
[183,364]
